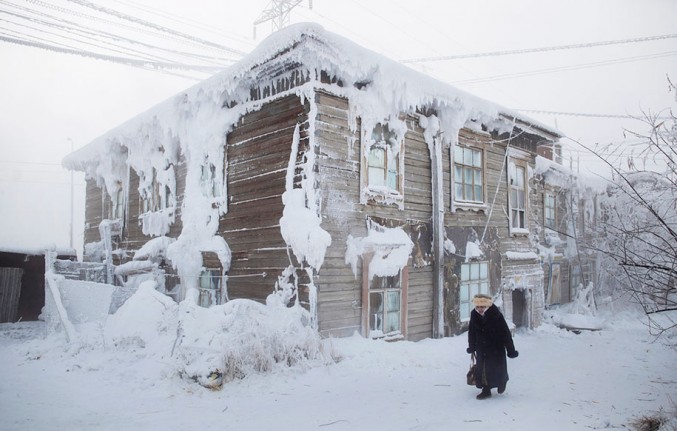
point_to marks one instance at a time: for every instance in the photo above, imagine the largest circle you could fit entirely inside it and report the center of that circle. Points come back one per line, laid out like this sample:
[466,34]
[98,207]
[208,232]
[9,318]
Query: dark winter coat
[489,337]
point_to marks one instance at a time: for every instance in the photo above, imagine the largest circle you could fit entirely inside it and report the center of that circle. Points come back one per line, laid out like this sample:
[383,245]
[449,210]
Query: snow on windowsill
[382,196]
[519,231]
[521,255]
[468,206]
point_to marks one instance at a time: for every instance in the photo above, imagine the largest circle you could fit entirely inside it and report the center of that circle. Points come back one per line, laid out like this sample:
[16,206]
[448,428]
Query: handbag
[470,377]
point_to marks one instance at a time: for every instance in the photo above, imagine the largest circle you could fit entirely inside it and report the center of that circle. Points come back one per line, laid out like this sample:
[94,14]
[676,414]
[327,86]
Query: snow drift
[215,345]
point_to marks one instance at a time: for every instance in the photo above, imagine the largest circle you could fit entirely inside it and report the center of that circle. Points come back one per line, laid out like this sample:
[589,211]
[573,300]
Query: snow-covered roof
[390,85]
[38,250]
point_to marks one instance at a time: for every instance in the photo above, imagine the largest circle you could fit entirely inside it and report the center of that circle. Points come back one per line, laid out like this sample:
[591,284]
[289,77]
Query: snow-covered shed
[378,197]
[22,280]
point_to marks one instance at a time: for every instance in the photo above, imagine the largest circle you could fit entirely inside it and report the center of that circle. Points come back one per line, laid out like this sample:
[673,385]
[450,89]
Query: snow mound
[230,341]
[147,318]
[215,345]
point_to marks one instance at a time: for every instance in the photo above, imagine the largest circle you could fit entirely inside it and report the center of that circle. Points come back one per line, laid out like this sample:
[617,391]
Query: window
[165,194]
[210,287]
[549,214]
[474,280]
[118,207]
[385,306]
[208,182]
[518,196]
[468,175]
[383,164]
[157,196]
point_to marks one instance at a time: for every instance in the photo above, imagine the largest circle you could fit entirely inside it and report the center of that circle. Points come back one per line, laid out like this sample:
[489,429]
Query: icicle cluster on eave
[387,87]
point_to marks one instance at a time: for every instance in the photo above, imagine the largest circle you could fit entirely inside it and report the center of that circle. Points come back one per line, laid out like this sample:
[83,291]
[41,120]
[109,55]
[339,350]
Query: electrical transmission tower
[277,13]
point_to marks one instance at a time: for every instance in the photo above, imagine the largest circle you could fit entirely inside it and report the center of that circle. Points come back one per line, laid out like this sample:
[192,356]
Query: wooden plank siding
[340,291]
[257,153]
[491,222]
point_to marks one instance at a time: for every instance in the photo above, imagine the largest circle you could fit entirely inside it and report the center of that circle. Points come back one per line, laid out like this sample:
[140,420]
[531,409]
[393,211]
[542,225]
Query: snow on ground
[561,381]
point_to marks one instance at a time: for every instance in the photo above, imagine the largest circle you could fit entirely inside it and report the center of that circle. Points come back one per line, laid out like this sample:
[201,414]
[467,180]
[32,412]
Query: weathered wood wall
[340,294]
[258,150]
[491,223]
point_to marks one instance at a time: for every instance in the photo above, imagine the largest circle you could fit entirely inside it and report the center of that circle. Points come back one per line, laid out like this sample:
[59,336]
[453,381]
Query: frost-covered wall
[198,135]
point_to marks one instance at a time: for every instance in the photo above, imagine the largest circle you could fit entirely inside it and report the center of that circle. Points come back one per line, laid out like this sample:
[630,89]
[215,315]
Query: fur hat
[482,300]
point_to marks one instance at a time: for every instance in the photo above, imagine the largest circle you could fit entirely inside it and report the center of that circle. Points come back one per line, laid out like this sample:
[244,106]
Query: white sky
[54,102]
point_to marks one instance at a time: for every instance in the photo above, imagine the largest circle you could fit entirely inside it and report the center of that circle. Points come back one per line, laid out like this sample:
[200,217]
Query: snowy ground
[560,381]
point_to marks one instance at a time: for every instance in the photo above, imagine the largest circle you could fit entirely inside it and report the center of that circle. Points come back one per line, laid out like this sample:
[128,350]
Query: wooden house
[377,197]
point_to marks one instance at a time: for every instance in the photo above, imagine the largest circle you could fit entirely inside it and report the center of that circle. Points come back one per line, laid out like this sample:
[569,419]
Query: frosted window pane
[465,272]
[458,154]
[467,157]
[474,271]
[376,311]
[376,176]
[477,159]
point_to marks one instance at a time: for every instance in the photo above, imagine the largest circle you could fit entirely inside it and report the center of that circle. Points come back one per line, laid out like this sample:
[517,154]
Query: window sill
[391,336]
[382,196]
[168,210]
[469,206]
[519,231]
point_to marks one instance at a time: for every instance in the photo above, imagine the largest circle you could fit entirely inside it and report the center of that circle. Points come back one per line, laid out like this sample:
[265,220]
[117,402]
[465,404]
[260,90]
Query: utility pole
[277,12]
[70,235]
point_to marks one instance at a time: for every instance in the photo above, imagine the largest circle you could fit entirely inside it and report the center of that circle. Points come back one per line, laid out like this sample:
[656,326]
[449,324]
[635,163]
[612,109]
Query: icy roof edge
[323,51]
[38,250]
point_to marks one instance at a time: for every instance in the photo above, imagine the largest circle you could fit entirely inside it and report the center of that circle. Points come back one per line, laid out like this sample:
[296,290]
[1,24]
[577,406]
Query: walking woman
[489,338]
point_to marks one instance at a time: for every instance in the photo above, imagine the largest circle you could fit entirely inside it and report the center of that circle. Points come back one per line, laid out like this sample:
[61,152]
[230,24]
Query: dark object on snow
[486,393]
[489,338]
[470,377]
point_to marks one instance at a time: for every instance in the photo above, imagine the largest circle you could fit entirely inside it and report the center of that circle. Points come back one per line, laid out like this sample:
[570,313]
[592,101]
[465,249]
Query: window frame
[465,301]
[524,210]
[550,222]
[482,171]
[208,184]
[211,295]
[367,290]
[159,198]
[117,210]
[379,137]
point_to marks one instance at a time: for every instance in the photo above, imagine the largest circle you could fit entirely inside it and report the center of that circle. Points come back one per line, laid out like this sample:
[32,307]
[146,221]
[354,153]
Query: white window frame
[468,163]
[117,210]
[381,139]
[208,183]
[397,285]
[210,287]
[158,198]
[550,210]
[516,208]
[474,279]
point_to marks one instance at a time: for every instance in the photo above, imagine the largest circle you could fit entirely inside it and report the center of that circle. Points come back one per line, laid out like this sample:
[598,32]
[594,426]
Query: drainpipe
[438,238]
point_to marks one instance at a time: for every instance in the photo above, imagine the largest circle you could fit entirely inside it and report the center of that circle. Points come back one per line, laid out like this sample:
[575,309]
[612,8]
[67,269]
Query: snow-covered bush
[216,345]
[230,341]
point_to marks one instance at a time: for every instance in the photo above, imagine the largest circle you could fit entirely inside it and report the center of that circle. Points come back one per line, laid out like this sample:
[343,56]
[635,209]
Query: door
[10,290]
[554,285]
[519,308]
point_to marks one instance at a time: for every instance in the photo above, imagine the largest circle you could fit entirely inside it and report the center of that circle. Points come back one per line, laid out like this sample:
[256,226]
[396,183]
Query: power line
[69,37]
[94,18]
[143,64]
[541,49]
[186,21]
[566,68]
[583,114]
[149,24]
